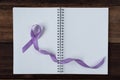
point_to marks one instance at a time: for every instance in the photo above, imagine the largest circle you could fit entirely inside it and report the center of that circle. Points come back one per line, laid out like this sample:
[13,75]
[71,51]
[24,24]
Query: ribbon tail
[27,46]
[93,67]
[99,64]
[82,63]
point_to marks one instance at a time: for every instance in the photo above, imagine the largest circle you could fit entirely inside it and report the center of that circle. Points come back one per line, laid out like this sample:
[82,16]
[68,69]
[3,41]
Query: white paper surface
[85,37]
[32,62]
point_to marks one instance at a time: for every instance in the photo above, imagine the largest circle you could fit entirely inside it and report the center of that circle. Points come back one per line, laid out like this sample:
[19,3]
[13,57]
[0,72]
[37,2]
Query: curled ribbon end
[99,64]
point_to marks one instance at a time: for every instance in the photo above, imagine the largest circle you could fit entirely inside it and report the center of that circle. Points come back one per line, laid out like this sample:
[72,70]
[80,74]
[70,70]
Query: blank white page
[86,38]
[32,62]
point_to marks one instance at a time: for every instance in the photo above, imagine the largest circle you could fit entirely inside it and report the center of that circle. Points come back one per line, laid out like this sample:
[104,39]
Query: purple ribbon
[36,33]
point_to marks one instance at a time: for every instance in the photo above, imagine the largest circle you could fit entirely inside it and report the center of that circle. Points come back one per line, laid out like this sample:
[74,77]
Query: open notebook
[60,40]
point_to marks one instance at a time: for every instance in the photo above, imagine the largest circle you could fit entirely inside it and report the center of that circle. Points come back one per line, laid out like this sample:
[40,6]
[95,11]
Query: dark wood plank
[114,24]
[85,2]
[6,65]
[114,2]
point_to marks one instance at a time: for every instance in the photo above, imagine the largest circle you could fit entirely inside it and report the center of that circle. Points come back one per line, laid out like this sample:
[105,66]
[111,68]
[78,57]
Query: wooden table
[6,36]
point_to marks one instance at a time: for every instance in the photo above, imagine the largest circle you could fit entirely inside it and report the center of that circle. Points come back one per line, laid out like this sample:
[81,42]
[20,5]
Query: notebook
[60,40]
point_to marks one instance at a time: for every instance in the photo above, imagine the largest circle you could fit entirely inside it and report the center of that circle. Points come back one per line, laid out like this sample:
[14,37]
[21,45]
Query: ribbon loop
[36,33]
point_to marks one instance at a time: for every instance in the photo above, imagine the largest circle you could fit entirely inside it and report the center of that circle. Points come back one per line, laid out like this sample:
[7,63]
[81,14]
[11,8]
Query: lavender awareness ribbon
[36,33]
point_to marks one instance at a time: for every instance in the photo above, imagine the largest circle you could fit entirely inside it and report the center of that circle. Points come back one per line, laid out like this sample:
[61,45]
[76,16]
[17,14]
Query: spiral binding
[60,38]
